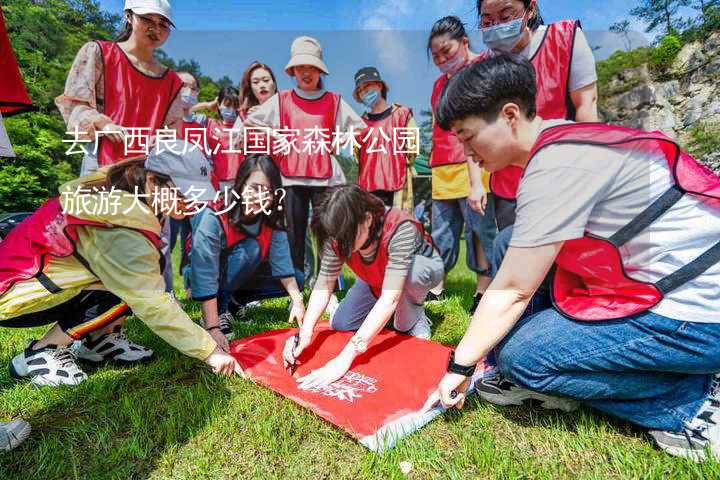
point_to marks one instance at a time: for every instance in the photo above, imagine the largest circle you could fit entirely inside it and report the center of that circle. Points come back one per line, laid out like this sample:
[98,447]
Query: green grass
[171,418]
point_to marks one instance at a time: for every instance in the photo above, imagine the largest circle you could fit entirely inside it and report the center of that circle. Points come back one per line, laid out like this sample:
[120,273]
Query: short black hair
[485,86]
[450,25]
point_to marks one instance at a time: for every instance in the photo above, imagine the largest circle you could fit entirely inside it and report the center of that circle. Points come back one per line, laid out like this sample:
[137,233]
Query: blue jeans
[651,370]
[448,219]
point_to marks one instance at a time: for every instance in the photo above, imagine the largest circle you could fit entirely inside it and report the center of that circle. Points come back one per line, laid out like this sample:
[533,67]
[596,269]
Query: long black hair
[450,25]
[340,211]
[263,163]
[534,22]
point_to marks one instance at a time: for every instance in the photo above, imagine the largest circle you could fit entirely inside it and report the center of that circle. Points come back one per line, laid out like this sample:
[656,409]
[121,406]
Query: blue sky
[224,36]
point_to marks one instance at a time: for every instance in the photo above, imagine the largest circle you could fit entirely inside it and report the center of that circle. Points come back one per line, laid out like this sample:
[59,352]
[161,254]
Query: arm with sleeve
[128,266]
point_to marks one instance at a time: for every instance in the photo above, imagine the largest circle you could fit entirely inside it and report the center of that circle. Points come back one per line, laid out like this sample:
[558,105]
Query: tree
[623,28]
[659,15]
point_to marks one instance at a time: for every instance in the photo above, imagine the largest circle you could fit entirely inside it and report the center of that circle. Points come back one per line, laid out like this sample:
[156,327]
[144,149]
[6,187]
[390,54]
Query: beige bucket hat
[306,51]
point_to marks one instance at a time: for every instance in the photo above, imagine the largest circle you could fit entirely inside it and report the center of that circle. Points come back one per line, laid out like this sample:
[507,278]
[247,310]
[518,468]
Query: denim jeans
[425,274]
[648,369]
[448,219]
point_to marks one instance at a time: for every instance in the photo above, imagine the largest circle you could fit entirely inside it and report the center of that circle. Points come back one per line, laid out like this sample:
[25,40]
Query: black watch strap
[459,369]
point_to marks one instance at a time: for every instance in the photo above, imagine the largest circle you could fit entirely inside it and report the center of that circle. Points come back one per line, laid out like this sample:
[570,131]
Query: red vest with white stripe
[132,100]
[590,280]
[46,234]
[305,115]
[552,63]
[446,148]
[226,159]
[373,273]
[383,168]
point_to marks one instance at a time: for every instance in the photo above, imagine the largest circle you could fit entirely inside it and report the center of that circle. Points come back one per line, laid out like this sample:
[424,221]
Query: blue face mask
[370,98]
[229,115]
[504,37]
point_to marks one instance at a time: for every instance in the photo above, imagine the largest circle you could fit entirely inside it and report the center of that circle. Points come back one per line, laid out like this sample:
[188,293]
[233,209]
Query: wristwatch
[459,369]
[359,344]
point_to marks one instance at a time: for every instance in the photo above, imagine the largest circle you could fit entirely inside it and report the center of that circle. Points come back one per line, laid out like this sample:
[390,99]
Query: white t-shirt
[582,65]
[567,190]
[5,147]
[268,115]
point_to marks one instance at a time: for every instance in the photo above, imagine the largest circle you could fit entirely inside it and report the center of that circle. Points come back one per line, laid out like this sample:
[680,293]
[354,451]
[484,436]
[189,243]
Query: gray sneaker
[700,437]
[13,434]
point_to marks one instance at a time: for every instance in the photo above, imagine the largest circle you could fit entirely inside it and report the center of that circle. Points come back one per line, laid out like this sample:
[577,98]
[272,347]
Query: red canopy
[13,95]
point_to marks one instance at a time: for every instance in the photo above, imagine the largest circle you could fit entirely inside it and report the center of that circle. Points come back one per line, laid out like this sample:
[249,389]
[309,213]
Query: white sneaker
[499,390]
[49,366]
[225,322]
[13,434]
[422,328]
[332,307]
[113,346]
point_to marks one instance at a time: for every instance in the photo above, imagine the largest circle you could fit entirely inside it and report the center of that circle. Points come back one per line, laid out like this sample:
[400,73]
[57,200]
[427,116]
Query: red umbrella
[13,94]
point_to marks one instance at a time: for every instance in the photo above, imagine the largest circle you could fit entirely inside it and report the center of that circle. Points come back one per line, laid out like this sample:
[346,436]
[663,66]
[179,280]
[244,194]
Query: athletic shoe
[499,390]
[421,328]
[114,346]
[476,302]
[333,305]
[225,322]
[13,434]
[700,437]
[48,366]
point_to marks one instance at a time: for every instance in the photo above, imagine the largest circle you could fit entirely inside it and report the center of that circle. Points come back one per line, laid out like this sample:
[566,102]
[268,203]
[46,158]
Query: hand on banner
[450,392]
[291,351]
[477,200]
[114,133]
[331,372]
[224,364]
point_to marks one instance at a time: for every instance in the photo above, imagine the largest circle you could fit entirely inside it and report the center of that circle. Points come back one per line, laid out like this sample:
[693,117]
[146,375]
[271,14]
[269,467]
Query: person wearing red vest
[86,260]
[384,159]
[239,250]
[304,120]
[566,83]
[451,173]
[396,265]
[631,226]
[115,87]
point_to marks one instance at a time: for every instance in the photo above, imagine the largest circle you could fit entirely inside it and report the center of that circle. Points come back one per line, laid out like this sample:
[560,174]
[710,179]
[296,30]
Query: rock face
[673,106]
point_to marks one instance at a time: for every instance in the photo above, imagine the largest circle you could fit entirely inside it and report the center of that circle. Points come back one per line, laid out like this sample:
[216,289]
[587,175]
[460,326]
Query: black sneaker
[700,437]
[49,366]
[499,390]
[476,302]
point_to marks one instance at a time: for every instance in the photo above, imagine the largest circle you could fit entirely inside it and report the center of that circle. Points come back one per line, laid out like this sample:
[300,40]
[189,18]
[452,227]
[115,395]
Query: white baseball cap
[143,7]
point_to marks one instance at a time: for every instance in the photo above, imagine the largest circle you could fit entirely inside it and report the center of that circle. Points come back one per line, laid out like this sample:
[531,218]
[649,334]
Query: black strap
[49,285]
[690,271]
[647,217]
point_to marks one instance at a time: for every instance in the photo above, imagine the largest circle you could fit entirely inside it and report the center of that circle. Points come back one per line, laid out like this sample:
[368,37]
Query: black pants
[297,209]
[78,317]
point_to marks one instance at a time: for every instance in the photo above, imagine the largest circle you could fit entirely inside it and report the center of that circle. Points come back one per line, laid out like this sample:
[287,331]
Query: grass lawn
[172,418]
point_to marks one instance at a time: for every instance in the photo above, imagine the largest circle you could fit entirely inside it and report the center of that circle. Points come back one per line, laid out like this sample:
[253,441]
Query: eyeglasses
[150,23]
[505,16]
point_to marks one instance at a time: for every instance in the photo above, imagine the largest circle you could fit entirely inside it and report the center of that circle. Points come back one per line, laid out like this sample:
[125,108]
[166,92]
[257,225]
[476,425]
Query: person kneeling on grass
[230,243]
[631,224]
[83,261]
[396,265]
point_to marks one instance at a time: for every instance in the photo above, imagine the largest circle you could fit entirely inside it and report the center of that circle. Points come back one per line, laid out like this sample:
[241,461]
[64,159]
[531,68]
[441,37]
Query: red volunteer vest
[233,235]
[373,273]
[446,148]
[590,280]
[132,100]
[225,162]
[378,169]
[47,233]
[304,115]
[552,64]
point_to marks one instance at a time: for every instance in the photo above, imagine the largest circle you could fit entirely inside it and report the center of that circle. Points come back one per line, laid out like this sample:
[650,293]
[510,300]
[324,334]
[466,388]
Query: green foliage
[704,139]
[663,56]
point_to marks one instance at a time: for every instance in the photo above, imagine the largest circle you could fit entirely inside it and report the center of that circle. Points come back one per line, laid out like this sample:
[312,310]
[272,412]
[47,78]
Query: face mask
[228,114]
[370,98]
[453,65]
[188,98]
[504,37]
